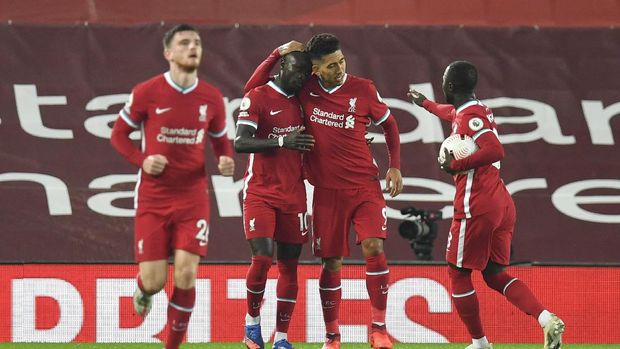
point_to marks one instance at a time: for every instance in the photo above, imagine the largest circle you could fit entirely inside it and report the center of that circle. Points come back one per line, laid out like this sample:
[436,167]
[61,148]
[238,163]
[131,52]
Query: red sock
[331,293]
[286,292]
[255,282]
[377,284]
[466,301]
[516,292]
[179,311]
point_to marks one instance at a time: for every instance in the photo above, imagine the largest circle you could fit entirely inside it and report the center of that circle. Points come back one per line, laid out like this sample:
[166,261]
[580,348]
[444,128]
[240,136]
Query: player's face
[447,87]
[331,69]
[185,50]
[294,74]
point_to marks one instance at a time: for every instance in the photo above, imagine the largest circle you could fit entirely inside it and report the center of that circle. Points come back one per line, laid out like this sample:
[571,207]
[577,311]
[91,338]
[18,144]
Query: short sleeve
[135,110]
[379,111]
[249,110]
[474,123]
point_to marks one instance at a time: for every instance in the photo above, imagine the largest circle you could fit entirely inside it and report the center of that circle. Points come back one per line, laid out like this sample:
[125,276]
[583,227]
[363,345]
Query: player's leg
[259,226]
[515,290]
[468,248]
[151,250]
[370,222]
[150,280]
[183,296]
[286,291]
[467,306]
[330,225]
[330,291]
[190,223]
[290,234]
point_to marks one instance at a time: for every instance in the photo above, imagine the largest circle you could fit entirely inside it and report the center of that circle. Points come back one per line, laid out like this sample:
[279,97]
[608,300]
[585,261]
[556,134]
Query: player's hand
[297,140]
[446,165]
[393,181]
[154,164]
[368,139]
[416,97]
[226,166]
[291,46]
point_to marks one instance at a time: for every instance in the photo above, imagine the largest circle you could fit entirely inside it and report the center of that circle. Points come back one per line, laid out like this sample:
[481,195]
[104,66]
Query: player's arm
[443,111]
[129,120]
[491,150]
[393,177]
[222,149]
[261,74]
[245,142]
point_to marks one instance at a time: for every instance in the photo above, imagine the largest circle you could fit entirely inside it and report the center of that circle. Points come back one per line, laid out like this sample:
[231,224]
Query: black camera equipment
[421,230]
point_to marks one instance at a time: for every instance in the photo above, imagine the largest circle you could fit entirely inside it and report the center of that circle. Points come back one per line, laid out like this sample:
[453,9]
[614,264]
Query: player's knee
[184,276]
[372,247]
[153,283]
[332,264]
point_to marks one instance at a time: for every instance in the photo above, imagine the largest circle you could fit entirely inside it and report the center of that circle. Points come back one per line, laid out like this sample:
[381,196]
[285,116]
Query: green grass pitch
[297,346]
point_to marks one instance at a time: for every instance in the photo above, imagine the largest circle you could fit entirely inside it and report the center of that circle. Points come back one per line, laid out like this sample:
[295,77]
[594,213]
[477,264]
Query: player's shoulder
[150,83]
[208,88]
[473,108]
[358,81]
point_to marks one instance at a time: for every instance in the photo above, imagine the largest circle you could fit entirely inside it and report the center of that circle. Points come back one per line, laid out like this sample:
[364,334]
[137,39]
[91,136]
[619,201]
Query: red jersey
[338,119]
[480,189]
[274,175]
[173,121]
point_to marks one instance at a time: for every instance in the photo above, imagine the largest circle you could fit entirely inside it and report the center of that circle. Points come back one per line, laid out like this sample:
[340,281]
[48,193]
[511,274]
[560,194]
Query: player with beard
[338,108]
[269,127]
[174,112]
[484,213]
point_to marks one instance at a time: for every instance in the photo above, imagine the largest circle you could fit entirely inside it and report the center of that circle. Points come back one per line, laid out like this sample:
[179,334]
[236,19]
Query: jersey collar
[278,89]
[467,105]
[175,86]
[334,89]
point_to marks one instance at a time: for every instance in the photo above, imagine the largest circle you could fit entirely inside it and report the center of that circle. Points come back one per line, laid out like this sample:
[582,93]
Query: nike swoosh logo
[384,292]
[161,110]
[275,112]
[202,243]
[304,233]
[313,94]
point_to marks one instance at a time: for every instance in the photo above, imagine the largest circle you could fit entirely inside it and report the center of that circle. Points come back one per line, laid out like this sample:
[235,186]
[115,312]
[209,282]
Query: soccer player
[173,111]
[484,213]
[270,126]
[338,108]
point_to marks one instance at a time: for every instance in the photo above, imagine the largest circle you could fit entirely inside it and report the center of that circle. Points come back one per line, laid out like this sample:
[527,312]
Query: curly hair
[322,44]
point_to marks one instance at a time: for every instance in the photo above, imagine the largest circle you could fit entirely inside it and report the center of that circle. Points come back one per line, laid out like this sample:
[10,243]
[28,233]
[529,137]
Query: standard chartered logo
[332,119]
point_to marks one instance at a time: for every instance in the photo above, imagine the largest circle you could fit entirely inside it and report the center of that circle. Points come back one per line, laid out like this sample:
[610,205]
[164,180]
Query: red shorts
[159,231]
[333,212]
[473,242]
[283,223]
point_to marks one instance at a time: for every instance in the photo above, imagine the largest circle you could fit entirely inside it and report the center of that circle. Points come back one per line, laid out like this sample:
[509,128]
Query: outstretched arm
[443,111]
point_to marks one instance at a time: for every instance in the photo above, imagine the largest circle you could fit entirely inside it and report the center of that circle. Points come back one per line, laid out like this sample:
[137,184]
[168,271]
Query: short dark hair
[177,28]
[463,75]
[321,45]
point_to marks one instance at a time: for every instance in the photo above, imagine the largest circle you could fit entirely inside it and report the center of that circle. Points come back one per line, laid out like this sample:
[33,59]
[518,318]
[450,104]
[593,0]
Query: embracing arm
[245,142]
[261,74]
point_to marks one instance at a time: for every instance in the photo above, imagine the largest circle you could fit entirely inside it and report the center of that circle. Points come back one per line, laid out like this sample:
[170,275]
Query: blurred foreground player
[484,213]
[270,126]
[173,111]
